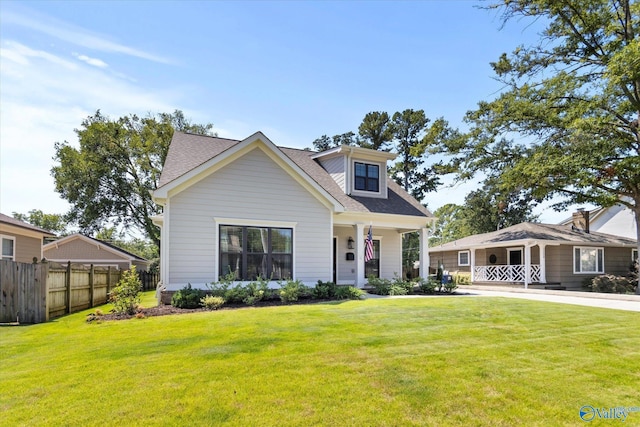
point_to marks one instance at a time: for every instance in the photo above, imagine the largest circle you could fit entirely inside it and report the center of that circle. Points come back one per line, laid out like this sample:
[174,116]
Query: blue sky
[294,70]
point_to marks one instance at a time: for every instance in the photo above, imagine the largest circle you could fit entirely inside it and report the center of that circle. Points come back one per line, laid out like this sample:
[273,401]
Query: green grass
[419,361]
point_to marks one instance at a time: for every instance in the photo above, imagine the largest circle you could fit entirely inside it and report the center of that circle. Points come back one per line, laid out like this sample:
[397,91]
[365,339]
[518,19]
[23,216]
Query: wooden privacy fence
[34,293]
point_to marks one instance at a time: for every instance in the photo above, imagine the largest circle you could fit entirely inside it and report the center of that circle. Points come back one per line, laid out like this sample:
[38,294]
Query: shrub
[187,297]
[380,286]
[399,282]
[348,292]
[236,294]
[325,290]
[427,286]
[462,278]
[450,287]
[211,302]
[125,296]
[397,290]
[611,284]
[256,291]
[292,290]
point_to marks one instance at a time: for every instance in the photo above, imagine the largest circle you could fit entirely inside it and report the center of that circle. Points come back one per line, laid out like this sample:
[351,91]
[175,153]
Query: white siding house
[249,208]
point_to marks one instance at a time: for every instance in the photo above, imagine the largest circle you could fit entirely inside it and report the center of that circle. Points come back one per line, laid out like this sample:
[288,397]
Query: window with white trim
[634,255]
[588,260]
[9,248]
[464,258]
[367,177]
[250,252]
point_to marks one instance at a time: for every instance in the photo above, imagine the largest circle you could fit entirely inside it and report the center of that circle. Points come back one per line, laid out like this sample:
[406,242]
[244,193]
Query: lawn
[416,361]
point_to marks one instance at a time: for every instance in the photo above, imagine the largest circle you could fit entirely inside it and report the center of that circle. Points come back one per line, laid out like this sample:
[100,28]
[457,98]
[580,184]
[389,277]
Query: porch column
[424,253]
[359,238]
[472,261]
[543,262]
[527,265]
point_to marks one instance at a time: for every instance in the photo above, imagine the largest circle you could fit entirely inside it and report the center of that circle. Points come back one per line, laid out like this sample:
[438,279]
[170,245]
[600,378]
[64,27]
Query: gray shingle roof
[188,151]
[538,232]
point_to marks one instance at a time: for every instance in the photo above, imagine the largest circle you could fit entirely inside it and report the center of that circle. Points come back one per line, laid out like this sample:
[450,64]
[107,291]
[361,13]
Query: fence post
[44,275]
[91,285]
[68,288]
[108,282]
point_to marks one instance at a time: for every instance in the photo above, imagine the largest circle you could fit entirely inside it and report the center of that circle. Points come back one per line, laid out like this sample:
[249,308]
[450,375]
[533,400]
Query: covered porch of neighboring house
[513,264]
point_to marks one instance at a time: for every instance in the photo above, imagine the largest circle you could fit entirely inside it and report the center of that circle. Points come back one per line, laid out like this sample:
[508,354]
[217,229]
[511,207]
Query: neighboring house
[248,208]
[80,249]
[617,220]
[21,242]
[530,253]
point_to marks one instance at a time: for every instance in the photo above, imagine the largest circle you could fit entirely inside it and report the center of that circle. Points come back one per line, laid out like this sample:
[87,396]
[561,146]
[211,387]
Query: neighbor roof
[188,151]
[16,222]
[64,240]
[528,231]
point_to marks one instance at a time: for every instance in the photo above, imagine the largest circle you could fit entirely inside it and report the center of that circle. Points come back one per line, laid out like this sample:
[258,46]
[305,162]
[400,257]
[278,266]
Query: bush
[256,291]
[325,290]
[406,285]
[187,297]
[462,278]
[450,287]
[397,290]
[211,302]
[610,284]
[348,292]
[427,286]
[292,290]
[125,296]
[380,286]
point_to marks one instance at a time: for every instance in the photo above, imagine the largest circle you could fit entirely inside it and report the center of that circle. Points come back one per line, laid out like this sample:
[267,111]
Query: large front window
[248,252]
[588,260]
[8,248]
[367,177]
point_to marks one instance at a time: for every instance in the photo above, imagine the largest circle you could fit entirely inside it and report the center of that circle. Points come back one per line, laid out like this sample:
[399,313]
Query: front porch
[506,273]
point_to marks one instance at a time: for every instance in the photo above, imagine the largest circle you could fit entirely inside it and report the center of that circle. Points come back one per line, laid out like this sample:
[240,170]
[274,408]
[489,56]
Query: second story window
[367,177]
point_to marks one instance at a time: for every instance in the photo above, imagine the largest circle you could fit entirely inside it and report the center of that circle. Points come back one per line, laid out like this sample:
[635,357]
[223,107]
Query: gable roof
[188,152]
[100,243]
[17,223]
[528,232]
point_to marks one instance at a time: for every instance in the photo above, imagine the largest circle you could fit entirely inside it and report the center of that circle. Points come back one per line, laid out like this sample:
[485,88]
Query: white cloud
[75,35]
[91,61]
[43,98]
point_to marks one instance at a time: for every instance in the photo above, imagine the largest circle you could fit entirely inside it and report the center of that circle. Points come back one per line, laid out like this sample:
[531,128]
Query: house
[617,220]
[21,242]
[80,249]
[545,254]
[249,208]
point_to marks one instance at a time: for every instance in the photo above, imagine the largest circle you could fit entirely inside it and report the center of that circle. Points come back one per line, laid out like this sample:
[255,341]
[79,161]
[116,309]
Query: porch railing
[505,273]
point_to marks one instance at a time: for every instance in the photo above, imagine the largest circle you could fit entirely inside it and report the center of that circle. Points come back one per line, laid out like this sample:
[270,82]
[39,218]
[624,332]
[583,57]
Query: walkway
[614,301]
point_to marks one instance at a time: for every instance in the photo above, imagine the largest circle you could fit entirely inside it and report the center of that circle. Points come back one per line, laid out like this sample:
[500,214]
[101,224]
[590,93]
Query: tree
[376,131]
[566,122]
[141,247]
[109,178]
[325,143]
[56,223]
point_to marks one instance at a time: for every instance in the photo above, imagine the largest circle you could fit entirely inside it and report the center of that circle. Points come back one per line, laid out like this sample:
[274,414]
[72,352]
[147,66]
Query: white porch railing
[505,273]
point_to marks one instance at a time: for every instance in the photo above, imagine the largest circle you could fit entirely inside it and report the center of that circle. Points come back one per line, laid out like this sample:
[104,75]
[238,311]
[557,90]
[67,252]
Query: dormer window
[367,177]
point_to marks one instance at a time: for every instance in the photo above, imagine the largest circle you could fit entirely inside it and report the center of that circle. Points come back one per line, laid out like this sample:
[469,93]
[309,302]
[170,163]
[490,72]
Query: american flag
[368,251]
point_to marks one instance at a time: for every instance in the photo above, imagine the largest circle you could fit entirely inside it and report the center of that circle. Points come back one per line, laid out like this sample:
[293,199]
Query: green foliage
[376,131]
[449,287]
[325,290]
[462,278]
[348,292]
[427,286]
[110,177]
[291,290]
[187,297]
[125,296]
[567,121]
[256,291]
[380,286]
[610,284]
[211,302]
[56,223]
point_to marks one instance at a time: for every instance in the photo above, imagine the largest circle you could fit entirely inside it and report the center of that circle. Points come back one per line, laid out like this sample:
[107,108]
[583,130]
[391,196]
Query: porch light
[350,243]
